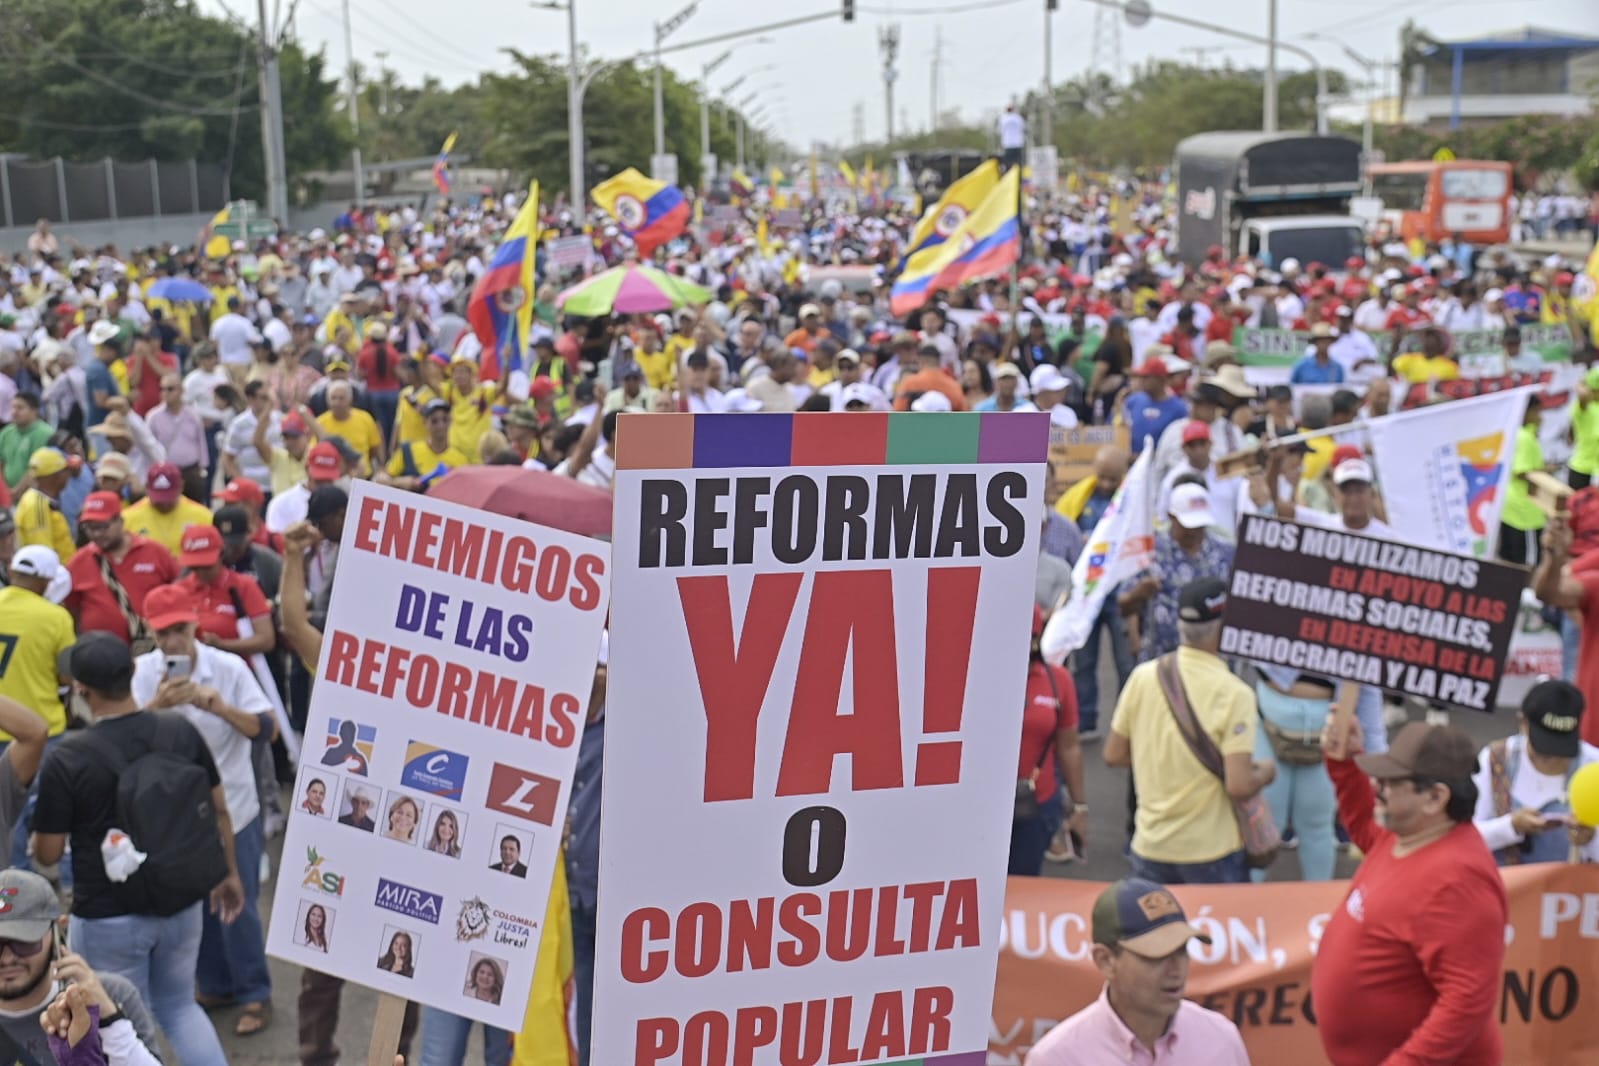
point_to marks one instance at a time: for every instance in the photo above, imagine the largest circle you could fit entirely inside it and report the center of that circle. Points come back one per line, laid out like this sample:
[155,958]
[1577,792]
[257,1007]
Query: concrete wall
[129,233]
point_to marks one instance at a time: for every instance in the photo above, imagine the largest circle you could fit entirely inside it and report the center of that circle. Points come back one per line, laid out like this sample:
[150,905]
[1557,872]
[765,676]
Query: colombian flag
[650,212]
[741,184]
[441,166]
[501,308]
[944,217]
[986,242]
[546,1038]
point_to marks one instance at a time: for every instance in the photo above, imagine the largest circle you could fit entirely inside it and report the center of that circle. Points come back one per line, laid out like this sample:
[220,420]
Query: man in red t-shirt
[147,363]
[137,564]
[1409,968]
[222,597]
[248,494]
[1049,734]
[1573,584]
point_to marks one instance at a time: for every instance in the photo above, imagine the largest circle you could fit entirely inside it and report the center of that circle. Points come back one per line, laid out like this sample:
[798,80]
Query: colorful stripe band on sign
[684,441]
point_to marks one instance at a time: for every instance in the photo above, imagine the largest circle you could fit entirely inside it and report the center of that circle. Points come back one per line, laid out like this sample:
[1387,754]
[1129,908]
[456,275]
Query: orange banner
[1257,970]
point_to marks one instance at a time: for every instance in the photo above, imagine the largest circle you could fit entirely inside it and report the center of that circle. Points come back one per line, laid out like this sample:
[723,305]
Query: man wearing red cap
[222,699]
[286,463]
[1150,410]
[322,466]
[165,511]
[115,571]
[222,597]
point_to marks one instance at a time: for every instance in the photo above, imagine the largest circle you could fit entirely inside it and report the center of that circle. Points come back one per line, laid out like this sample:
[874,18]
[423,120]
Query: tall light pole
[355,111]
[1372,87]
[1268,102]
[277,186]
[707,164]
[663,30]
[1047,101]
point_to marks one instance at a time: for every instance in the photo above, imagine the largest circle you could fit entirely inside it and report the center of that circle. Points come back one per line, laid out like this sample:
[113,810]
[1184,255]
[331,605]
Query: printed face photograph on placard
[349,745]
[358,806]
[485,978]
[446,830]
[510,850]
[398,951]
[314,795]
[402,819]
[314,929]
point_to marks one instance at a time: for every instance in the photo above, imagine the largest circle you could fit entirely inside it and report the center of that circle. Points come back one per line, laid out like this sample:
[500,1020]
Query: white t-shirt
[199,391]
[238,440]
[233,335]
[230,749]
[1012,130]
[1528,788]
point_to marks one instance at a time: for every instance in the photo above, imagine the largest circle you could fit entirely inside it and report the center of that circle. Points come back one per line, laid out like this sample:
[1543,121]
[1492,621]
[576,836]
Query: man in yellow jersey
[417,464]
[38,511]
[287,463]
[165,511]
[33,632]
[471,405]
[415,392]
[354,426]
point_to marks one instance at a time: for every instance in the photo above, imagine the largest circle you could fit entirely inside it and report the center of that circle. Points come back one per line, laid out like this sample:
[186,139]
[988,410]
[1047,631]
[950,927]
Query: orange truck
[1434,199]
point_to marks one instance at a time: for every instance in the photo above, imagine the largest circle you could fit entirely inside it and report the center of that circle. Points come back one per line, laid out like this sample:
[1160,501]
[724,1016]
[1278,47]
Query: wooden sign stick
[386,1025]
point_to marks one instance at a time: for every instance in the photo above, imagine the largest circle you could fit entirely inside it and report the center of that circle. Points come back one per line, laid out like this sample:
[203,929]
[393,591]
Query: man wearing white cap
[1185,551]
[1049,387]
[1010,391]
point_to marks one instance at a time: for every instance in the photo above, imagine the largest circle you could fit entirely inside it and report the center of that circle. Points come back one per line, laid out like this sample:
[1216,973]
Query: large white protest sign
[818,660]
[1122,544]
[1445,469]
[456,668]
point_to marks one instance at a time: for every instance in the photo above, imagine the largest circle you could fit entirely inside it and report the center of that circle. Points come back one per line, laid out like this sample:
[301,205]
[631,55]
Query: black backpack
[164,806]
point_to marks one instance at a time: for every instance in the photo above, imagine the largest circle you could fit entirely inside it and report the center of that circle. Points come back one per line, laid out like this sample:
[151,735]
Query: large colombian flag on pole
[651,212]
[501,308]
[441,166]
[985,243]
[958,201]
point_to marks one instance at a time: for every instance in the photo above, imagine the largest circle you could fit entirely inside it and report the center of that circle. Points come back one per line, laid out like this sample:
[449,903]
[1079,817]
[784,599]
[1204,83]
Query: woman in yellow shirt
[419,382]
[471,406]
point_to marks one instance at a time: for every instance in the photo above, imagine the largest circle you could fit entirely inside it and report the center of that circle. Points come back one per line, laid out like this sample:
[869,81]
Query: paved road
[1107,790]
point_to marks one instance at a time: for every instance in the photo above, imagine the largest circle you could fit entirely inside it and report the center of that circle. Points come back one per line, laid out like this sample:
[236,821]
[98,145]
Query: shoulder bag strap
[136,627]
[1203,748]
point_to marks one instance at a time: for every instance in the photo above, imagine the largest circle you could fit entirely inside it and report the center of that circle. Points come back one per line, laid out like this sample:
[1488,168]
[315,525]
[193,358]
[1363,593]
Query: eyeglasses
[23,949]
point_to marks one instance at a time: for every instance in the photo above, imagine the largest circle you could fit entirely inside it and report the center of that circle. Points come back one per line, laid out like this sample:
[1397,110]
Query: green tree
[139,79]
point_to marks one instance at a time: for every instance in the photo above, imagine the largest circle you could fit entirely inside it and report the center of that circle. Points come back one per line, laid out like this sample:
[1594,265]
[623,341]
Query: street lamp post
[663,30]
[1372,88]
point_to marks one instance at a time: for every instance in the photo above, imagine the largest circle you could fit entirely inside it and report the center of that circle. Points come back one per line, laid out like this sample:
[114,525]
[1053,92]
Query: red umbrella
[531,495]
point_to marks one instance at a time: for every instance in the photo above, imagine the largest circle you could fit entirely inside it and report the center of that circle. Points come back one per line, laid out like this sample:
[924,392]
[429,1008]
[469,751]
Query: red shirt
[1409,968]
[1403,317]
[147,393]
[1586,570]
[144,566]
[267,540]
[367,362]
[1220,327]
[1041,719]
[219,615]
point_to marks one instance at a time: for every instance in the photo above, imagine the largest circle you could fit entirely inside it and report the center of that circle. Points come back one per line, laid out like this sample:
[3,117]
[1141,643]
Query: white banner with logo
[450,698]
[1445,469]
[1122,544]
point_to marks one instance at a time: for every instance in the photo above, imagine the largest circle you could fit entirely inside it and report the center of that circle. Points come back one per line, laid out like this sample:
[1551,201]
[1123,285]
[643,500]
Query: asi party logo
[319,879]
[434,770]
[411,902]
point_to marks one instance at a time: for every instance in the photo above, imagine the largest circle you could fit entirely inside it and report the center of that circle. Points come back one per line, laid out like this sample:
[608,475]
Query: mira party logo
[434,770]
[411,902]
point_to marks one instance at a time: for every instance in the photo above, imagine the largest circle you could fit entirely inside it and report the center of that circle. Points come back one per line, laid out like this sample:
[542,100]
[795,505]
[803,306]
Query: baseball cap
[1190,507]
[858,392]
[541,387]
[1202,599]
[200,546]
[114,465]
[47,461]
[322,463]
[31,906]
[809,309]
[338,362]
[101,661]
[168,605]
[847,355]
[232,522]
[1142,917]
[522,417]
[1150,368]
[435,406]
[1440,752]
[35,560]
[1048,378]
[1553,711]
[1352,470]
[1195,430]
[1007,370]
[101,507]
[326,500]
[932,401]
[243,490]
[292,425]
[165,483]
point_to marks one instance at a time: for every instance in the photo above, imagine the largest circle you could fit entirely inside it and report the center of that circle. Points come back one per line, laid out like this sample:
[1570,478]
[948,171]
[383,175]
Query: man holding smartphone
[216,691]
[35,965]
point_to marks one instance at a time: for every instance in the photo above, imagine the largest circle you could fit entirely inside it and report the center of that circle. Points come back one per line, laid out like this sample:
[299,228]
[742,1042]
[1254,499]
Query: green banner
[1473,347]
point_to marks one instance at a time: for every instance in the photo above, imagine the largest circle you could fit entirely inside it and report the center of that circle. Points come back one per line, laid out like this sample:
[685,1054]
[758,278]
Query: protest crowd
[182,426]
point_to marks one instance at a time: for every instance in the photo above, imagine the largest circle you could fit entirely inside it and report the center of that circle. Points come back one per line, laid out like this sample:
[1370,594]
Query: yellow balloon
[1585,795]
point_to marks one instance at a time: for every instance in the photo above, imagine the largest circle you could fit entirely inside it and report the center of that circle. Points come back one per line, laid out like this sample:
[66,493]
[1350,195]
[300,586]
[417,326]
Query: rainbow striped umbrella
[630,289]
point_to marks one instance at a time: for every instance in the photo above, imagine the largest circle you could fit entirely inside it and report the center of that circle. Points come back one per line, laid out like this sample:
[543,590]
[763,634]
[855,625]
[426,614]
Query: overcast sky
[992,49]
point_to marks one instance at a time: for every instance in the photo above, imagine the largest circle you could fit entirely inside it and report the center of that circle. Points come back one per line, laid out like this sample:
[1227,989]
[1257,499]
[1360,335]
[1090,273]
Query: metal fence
[63,191]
